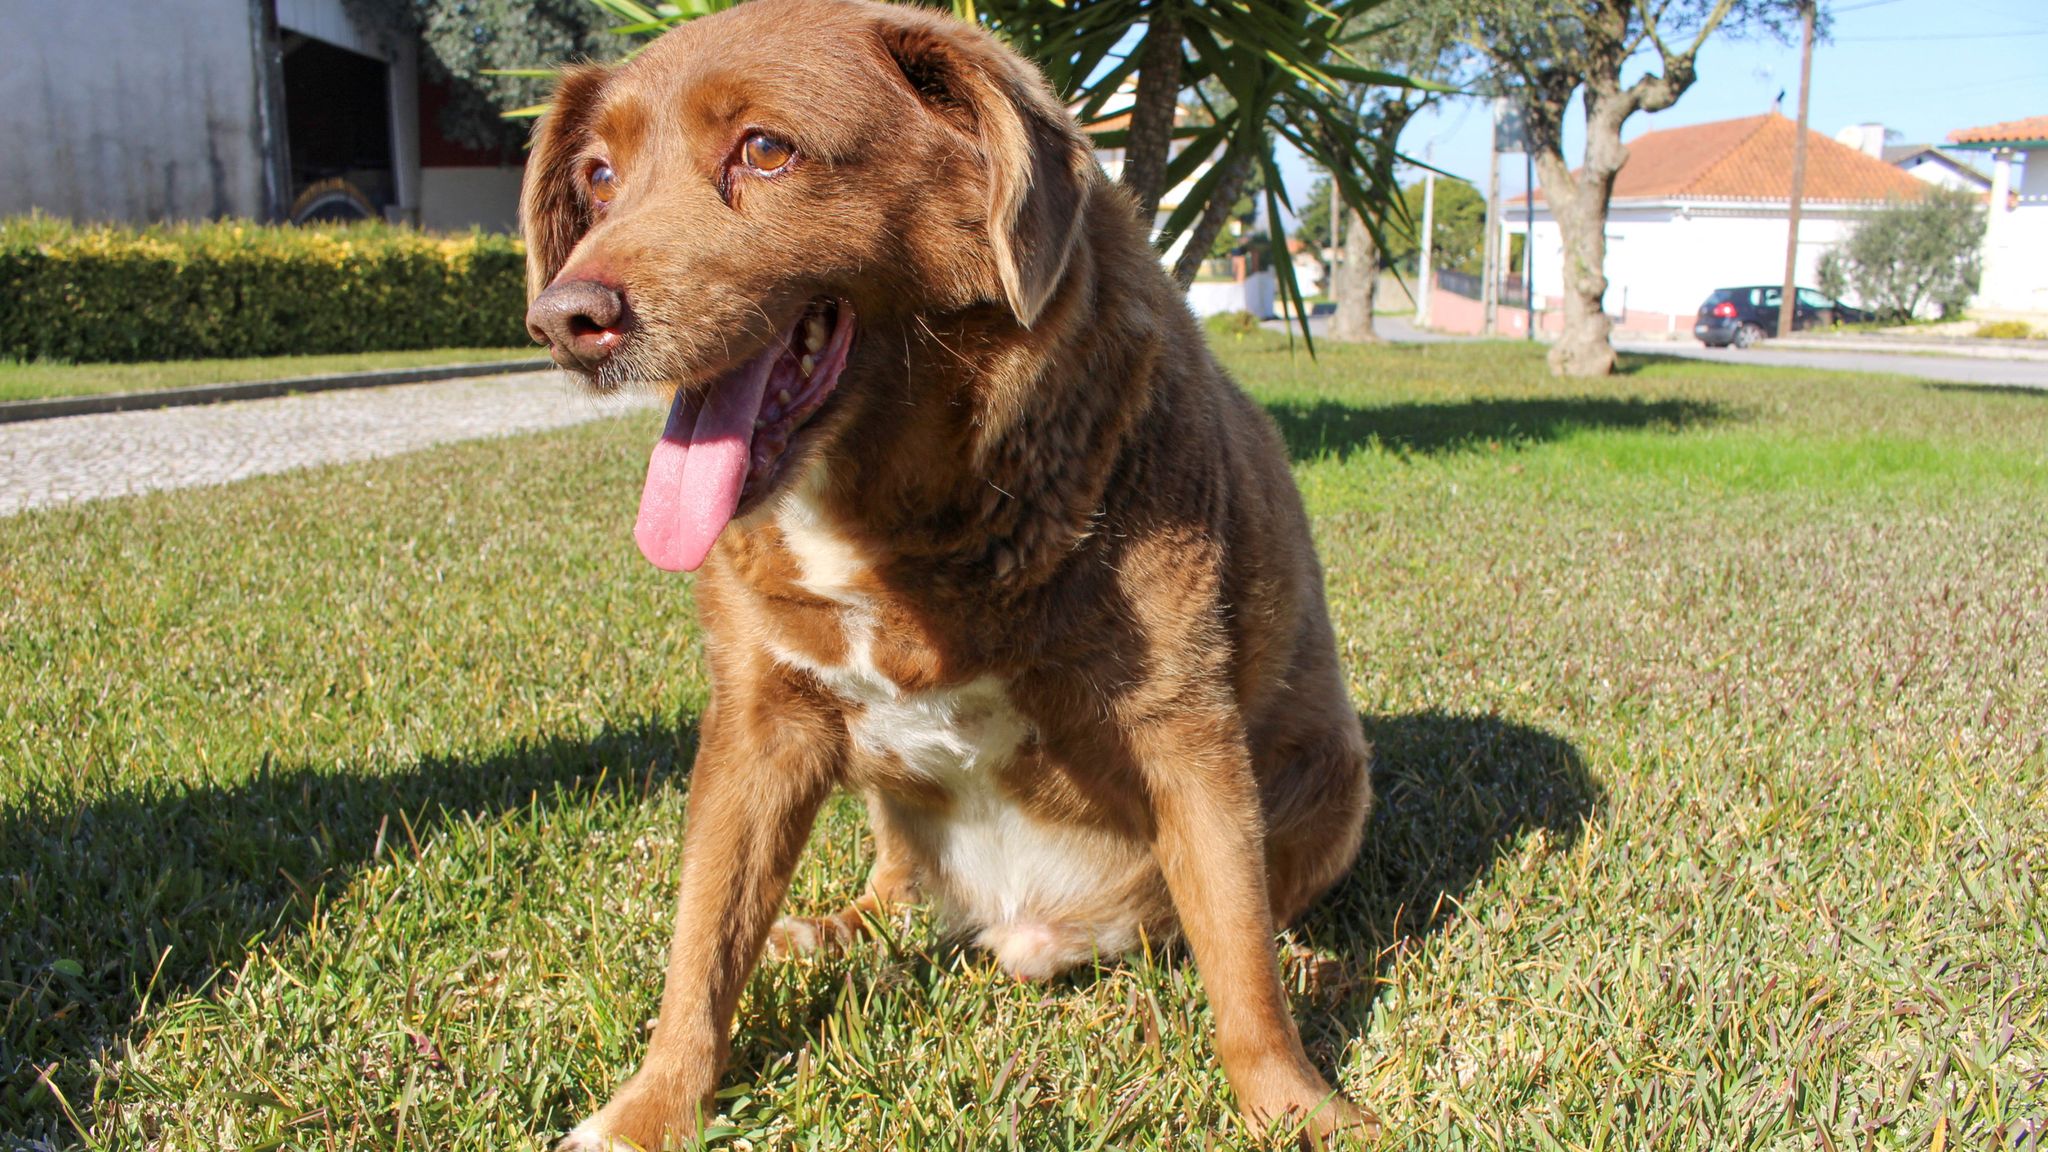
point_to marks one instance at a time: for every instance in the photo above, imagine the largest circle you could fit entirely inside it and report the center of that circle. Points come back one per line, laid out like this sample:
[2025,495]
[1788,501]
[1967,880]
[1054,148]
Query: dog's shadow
[156,894]
[1453,795]
[1332,429]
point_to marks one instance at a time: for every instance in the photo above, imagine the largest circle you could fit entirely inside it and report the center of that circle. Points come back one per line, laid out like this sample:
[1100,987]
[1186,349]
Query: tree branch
[1229,186]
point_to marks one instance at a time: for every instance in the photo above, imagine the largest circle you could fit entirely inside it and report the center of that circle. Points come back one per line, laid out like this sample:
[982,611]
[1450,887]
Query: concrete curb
[15,411]
[1975,350]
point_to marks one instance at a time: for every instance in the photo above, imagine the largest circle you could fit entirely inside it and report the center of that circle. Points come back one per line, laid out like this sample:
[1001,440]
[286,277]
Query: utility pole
[1336,253]
[1489,290]
[1786,302]
[1426,274]
[1529,239]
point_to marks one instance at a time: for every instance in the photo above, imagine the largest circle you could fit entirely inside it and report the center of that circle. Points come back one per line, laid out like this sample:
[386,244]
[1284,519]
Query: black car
[1743,316]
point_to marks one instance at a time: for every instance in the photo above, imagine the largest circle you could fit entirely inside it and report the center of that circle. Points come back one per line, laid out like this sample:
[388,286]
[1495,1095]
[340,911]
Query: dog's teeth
[783,395]
[808,364]
[760,424]
[814,333]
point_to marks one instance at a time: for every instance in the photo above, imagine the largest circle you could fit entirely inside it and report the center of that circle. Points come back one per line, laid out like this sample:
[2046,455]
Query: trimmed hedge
[186,291]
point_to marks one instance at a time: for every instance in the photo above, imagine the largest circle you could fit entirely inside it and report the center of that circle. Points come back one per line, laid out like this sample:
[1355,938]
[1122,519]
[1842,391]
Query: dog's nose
[581,322]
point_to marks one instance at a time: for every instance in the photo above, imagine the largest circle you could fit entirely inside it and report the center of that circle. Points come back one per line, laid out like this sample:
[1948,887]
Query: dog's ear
[552,211]
[1039,163]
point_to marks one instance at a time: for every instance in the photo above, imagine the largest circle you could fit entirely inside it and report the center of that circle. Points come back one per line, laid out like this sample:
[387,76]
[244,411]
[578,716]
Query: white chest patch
[991,865]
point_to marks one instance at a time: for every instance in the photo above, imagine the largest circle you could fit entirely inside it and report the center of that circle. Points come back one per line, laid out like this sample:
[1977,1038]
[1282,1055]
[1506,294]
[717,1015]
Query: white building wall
[2016,245]
[1667,258]
[454,199]
[328,20]
[1937,173]
[131,111]
[1253,294]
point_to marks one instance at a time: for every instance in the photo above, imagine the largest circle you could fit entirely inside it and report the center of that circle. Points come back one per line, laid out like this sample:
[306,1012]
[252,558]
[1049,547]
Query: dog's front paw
[636,1120]
[589,1136]
[1320,1119]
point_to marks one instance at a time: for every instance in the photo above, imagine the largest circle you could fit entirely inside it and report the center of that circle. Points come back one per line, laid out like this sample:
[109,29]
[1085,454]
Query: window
[1811,299]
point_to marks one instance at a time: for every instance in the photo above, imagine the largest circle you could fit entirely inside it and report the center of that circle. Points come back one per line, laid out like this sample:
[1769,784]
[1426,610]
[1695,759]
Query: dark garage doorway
[337,116]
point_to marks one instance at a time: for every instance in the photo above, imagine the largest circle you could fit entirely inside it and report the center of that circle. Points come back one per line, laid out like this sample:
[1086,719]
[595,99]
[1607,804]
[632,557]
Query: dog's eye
[764,153]
[604,183]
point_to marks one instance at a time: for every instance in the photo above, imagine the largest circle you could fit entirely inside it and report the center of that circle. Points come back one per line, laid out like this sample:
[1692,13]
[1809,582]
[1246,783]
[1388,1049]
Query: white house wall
[136,112]
[1667,258]
[453,199]
[1937,173]
[328,20]
[2016,246]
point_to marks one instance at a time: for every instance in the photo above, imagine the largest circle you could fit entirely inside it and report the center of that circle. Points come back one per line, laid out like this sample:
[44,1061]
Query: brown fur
[1038,479]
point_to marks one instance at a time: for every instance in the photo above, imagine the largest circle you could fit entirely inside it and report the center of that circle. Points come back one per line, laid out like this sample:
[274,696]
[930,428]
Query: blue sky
[1923,67]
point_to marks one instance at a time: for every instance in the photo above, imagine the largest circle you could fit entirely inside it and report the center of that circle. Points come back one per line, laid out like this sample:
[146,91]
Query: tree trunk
[1578,202]
[1222,198]
[1583,348]
[1149,144]
[1356,284]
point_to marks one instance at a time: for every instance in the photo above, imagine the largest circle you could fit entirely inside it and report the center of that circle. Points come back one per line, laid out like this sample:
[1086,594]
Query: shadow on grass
[156,895]
[1630,363]
[1328,428]
[2036,393]
[1453,794]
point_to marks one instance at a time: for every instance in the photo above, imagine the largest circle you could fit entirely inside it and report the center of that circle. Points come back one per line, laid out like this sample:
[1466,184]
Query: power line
[1948,36]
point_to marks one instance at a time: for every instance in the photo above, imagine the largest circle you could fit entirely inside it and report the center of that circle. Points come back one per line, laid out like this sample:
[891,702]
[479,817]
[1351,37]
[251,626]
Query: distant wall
[2016,247]
[134,112]
[452,199]
[1253,294]
[1665,261]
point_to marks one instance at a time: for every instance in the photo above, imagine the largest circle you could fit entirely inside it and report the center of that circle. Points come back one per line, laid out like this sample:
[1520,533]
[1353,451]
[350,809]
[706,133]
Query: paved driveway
[45,462]
[1948,369]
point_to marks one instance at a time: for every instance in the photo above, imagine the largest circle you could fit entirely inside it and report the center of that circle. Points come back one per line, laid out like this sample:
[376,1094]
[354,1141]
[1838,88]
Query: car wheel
[1748,336]
[332,202]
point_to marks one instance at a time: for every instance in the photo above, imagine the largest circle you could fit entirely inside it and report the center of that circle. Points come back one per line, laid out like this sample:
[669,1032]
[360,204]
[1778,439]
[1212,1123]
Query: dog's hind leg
[1316,818]
[891,884]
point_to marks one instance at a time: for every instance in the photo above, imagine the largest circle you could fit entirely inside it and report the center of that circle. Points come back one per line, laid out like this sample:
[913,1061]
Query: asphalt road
[1946,369]
[1966,370]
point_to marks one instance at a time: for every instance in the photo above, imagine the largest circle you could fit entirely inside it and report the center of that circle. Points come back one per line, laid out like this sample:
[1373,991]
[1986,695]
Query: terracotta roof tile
[2009,132]
[1750,159]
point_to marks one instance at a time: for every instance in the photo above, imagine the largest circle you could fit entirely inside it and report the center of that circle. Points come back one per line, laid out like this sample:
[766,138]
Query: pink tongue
[698,468]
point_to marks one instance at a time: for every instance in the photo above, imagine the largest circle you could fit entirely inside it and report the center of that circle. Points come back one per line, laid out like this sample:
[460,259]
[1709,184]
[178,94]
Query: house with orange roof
[2015,282]
[1237,285]
[1706,206]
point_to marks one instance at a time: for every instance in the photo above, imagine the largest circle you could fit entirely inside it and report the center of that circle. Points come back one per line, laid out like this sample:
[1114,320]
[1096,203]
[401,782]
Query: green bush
[228,289]
[1909,254]
[1239,324]
[2005,330]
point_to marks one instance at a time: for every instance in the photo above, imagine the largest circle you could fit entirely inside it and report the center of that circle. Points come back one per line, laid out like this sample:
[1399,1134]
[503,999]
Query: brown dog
[985,533]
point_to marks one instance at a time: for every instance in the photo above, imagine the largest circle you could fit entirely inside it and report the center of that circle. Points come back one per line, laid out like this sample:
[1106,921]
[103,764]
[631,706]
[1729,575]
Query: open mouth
[725,443]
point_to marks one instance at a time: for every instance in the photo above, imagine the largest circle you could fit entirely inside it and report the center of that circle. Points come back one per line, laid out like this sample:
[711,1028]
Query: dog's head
[725,211]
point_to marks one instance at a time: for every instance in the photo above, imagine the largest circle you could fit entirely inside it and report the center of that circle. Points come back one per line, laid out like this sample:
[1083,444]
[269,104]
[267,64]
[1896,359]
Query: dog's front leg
[761,773]
[1209,840]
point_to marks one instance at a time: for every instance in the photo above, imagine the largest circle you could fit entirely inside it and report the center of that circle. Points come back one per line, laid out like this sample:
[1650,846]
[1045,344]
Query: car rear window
[1723,295]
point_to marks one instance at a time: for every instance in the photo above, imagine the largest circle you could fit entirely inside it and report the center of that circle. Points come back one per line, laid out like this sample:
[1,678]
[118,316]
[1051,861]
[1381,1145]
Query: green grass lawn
[36,380]
[341,809]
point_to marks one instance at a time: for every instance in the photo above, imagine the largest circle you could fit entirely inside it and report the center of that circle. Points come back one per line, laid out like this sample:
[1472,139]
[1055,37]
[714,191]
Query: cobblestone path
[45,462]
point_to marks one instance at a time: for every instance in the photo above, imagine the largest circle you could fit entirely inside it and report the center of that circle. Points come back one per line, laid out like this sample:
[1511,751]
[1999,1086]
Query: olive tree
[1910,254]
[1543,55]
